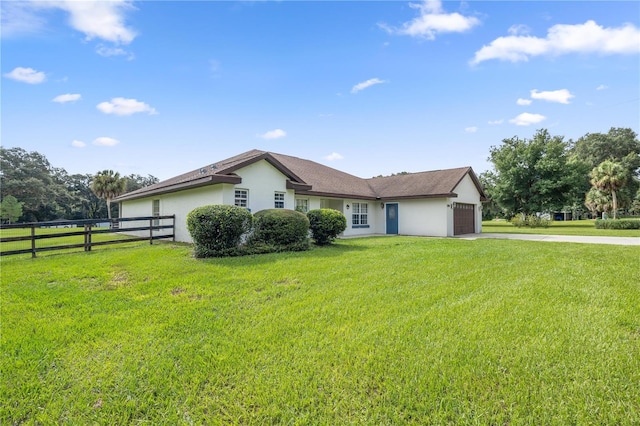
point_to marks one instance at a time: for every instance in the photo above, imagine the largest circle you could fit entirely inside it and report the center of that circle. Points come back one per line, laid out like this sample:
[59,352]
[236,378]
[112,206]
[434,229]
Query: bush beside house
[221,230]
[326,225]
[277,230]
[217,230]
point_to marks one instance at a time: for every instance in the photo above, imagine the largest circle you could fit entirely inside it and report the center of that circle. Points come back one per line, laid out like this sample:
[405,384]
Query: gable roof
[310,178]
[432,184]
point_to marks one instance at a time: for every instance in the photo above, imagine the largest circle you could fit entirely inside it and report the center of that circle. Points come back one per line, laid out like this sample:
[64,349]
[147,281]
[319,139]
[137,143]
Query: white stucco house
[439,203]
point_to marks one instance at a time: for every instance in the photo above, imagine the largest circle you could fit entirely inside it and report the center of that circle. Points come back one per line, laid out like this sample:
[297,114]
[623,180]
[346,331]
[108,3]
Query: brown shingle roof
[309,177]
[437,183]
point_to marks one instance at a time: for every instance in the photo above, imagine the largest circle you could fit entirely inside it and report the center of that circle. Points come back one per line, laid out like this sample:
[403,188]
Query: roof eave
[197,183]
[297,186]
[337,195]
[419,196]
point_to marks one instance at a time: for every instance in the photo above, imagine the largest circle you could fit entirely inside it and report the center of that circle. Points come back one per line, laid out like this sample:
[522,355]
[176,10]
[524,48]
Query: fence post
[87,237]
[150,231]
[174,227]
[33,241]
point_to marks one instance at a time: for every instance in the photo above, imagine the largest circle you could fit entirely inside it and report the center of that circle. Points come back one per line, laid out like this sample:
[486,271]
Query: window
[359,218]
[302,205]
[242,198]
[278,198]
[155,211]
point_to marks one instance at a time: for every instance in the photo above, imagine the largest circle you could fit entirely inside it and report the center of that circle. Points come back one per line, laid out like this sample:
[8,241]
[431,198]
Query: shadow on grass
[336,249]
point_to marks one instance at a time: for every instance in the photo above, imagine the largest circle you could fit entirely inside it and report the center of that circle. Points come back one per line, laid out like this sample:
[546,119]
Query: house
[439,203]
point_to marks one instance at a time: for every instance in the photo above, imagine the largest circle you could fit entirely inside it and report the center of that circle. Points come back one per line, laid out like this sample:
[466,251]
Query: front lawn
[388,330]
[572,227]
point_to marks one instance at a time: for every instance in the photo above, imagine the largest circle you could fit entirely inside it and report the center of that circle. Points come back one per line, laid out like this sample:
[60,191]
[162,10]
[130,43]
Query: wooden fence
[80,233]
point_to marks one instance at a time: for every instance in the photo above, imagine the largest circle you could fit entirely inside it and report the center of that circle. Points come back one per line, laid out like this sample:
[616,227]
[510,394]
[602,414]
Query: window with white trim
[359,217]
[155,211]
[278,200]
[302,205]
[242,198]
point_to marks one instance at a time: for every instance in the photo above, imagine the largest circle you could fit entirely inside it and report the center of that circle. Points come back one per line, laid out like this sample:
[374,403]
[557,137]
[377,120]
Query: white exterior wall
[468,194]
[427,217]
[263,181]
[177,203]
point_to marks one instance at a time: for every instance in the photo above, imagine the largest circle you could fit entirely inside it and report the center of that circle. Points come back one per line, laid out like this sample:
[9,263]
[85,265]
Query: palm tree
[597,201]
[108,184]
[609,177]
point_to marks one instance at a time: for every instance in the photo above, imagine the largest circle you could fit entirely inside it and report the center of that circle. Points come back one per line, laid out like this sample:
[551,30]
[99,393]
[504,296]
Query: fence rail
[44,232]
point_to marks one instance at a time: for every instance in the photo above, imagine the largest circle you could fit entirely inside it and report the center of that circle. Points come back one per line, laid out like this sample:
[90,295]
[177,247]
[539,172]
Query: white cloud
[103,20]
[495,122]
[107,51]
[561,96]
[105,141]
[561,40]
[471,129]
[602,87]
[432,21]
[99,19]
[123,106]
[67,98]
[526,119]
[18,17]
[78,144]
[522,101]
[519,30]
[273,134]
[334,156]
[27,75]
[371,82]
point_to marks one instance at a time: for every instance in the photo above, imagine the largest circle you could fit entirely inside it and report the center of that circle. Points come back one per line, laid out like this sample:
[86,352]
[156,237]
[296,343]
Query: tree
[620,145]
[536,175]
[609,177]
[29,177]
[490,209]
[10,209]
[135,181]
[597,201]
[108,184]
[86,205]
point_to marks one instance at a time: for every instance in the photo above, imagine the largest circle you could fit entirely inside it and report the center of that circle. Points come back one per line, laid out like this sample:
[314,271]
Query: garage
[464,219]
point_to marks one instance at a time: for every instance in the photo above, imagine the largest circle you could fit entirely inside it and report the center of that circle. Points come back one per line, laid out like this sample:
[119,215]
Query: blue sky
[162,87]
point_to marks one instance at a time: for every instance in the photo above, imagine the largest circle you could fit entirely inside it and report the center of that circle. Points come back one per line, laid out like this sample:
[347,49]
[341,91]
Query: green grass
[389,330]
[576,227]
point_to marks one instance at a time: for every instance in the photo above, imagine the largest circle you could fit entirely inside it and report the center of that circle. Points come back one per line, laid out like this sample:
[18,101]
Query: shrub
[280,230]
[530,221]
[617,224]
[217,230]
[326,225]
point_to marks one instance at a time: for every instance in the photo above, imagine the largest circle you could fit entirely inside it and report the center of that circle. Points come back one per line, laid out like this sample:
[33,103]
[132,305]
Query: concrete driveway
[623,241]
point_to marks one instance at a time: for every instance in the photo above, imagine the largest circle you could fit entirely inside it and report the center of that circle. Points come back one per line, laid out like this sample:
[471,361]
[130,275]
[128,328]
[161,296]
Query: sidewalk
[624,241]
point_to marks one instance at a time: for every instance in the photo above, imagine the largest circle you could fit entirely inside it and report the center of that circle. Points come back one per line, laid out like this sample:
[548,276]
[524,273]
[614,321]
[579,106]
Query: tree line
[33,190]
[598,173]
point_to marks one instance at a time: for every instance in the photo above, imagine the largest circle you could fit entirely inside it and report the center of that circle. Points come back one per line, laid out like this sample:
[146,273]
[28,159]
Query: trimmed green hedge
[326,225]
[279,230]
[617,224]
[217,230]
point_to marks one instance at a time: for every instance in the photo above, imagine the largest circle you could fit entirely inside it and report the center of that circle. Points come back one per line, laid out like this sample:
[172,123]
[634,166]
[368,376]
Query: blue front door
[392,218]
